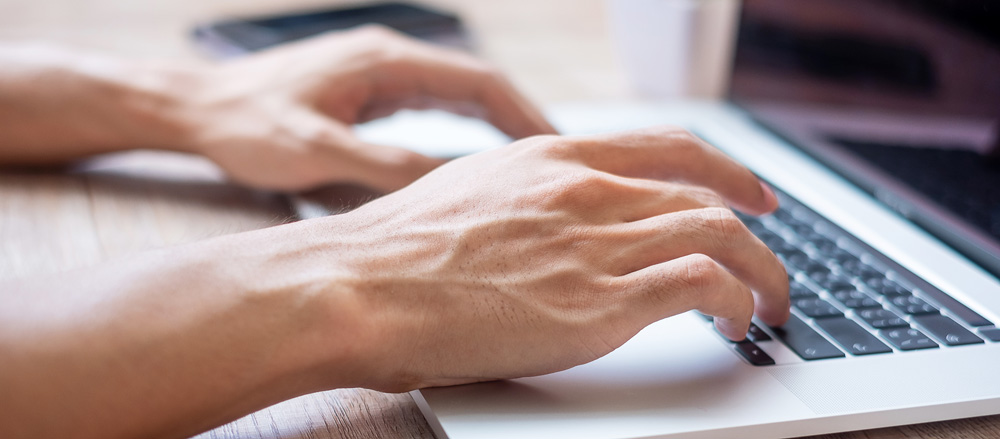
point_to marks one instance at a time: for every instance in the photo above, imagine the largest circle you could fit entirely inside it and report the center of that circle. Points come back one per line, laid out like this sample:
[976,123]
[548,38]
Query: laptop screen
[902,97]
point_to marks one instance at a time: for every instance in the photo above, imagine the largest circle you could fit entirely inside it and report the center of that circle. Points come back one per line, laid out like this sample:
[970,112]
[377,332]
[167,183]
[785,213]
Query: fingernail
[769,197]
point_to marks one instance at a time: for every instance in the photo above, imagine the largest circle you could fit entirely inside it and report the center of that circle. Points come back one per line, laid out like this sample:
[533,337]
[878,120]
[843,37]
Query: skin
[520,261]
[278,120]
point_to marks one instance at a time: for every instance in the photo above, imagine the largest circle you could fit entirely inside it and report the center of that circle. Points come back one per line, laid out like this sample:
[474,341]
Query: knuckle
[578,189]
[723,223]
[702,272]
[703,197]
[551,146]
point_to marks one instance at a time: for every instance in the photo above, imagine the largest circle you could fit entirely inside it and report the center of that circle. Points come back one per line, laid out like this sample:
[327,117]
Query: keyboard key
[860,269]
[947,330]
[785,217]
[855,299]
[814,269]
[753,334]
[913,305]
[816,308]
[831,281]
[887,287]
[844,257]
[797,259]
[757,334]
[957,308]
[753,354]
[907,339]
[882,318]
[797,290]
[852,336]
[826,246]
[805,341]
[991,333]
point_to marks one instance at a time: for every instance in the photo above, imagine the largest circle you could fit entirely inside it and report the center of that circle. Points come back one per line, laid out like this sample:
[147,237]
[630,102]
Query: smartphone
[233,37]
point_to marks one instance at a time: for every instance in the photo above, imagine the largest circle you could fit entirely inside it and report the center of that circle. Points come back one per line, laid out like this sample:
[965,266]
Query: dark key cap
[752,223]
[852,336]
[957,308]
[913,305]
[831,281]
[826,247]
[882,318]
[947,330]
[786,217]
[782,248]
[753,354]
[753,334]
[805,341]
[844,257]
[797,290]
[887,287]
[814,268]
[855,267]
[907,339]
[990,333]
[855,299]
[757,334]
[796,259]
[816,308]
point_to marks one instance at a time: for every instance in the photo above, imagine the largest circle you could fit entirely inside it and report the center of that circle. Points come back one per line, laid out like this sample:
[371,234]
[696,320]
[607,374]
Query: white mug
[676,48]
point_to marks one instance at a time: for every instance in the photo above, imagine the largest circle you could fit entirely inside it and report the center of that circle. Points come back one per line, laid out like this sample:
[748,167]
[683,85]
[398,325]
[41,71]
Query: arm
[503,264]
[57,105]
[279,119]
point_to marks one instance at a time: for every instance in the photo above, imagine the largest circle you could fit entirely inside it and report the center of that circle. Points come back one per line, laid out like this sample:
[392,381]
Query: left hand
[281,119]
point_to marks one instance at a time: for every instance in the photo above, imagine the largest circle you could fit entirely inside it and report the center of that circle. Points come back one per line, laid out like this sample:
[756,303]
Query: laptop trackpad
[674,376]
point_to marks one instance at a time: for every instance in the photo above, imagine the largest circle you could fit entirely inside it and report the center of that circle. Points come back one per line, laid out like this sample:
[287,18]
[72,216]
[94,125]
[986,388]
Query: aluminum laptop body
[839,156]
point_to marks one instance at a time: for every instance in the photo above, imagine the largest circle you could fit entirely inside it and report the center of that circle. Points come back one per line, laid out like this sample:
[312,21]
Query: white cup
[676,48]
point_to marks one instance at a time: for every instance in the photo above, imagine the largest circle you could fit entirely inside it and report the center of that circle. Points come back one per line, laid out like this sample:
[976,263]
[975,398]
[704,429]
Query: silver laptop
[877,121]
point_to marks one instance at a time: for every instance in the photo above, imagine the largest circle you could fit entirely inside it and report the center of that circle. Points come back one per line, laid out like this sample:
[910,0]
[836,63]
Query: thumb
[388,168]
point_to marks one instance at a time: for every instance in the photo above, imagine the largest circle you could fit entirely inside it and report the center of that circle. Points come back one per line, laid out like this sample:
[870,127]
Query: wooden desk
[555,50]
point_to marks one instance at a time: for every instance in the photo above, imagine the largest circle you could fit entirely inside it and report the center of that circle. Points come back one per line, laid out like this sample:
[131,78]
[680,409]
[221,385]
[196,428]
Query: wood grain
[555,50]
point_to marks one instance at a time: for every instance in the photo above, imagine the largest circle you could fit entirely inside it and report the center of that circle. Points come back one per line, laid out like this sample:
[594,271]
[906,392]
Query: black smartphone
[228,38]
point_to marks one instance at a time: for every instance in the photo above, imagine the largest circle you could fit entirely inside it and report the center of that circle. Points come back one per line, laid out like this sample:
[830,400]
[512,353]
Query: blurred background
[551,60]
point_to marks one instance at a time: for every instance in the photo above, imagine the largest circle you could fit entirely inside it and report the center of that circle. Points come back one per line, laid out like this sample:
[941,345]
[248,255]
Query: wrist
[304,268]
[160,102]
[58,105]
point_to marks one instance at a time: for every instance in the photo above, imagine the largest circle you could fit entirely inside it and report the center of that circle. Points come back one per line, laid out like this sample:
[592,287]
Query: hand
[282,119]
[553,252]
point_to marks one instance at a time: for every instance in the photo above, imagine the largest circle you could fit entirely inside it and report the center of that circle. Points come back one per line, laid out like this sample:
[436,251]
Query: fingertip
[733,330]
[770,200]
[774,315]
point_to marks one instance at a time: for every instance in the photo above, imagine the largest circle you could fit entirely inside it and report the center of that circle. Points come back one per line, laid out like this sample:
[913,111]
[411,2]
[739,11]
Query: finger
[719,234]
[448,75]
[338,155]
[654,198]
[670,153]
[691,282]
[388,168]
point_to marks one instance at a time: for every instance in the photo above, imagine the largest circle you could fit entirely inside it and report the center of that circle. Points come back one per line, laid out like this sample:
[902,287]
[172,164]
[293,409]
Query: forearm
[175,341]
[57,105]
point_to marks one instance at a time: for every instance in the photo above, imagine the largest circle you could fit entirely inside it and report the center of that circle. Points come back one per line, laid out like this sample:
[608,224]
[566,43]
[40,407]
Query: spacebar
[805,341]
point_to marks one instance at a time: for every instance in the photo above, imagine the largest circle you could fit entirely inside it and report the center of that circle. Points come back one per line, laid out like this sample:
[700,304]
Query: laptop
[877,121]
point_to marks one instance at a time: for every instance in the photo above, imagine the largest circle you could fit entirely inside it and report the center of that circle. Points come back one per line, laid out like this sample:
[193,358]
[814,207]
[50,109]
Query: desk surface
[554,50]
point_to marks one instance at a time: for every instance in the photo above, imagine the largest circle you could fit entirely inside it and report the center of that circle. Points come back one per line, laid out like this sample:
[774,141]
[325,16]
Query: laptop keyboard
[848,299]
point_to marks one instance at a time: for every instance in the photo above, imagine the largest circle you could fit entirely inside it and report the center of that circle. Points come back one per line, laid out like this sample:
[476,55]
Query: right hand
[553,252]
